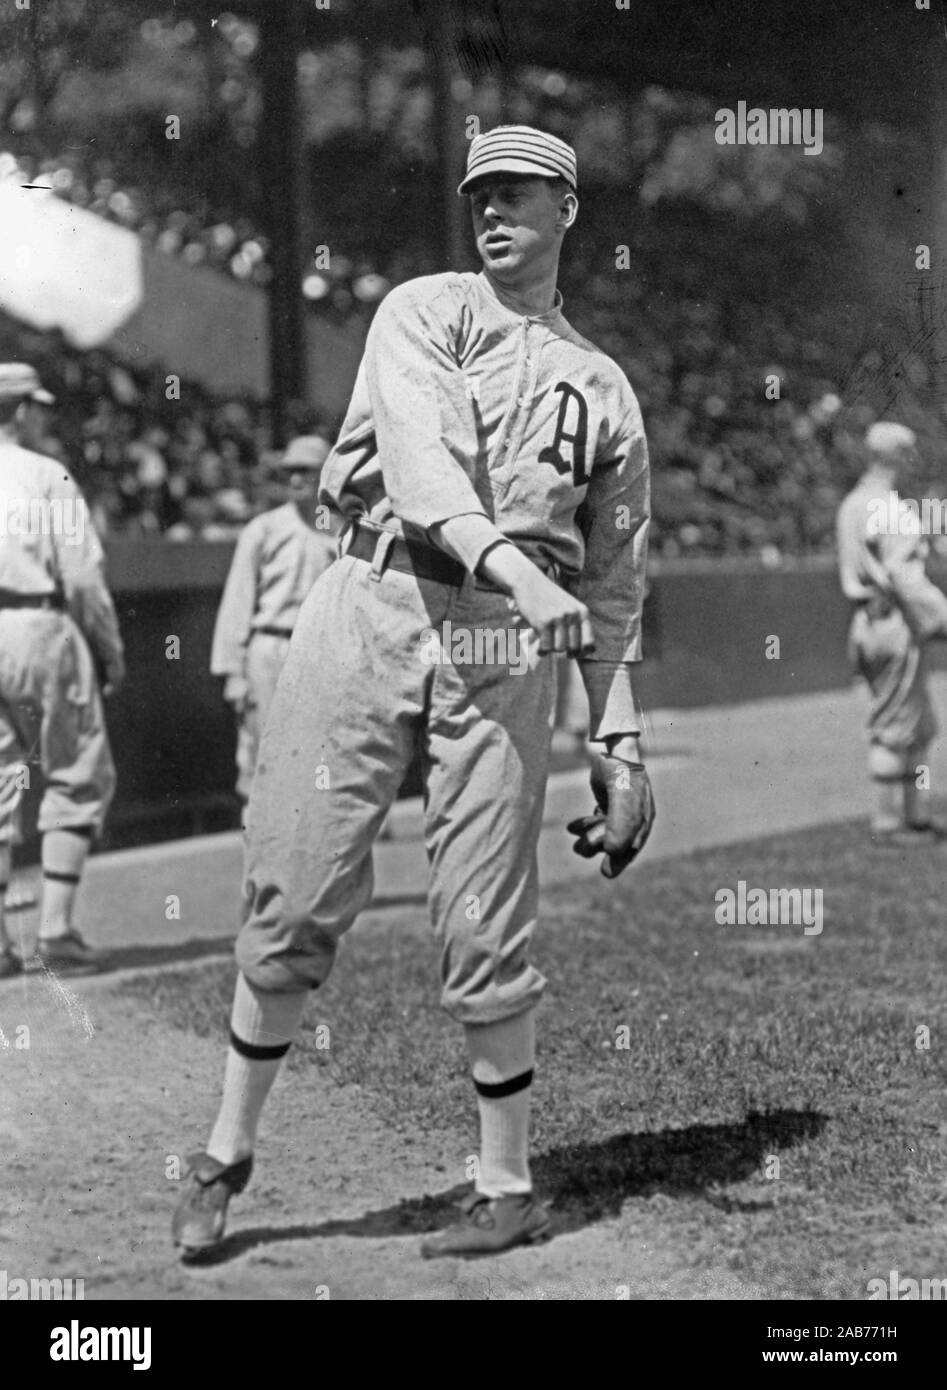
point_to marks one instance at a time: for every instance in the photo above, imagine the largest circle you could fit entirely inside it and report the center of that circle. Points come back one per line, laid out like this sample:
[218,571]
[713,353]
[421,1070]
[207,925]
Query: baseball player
[54,606]
[278,557]
[33,419]
[897,610]
[33,422]
[494,472]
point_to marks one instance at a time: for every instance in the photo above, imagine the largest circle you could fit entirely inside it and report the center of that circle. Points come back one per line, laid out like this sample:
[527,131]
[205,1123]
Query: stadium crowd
[734,473]
[738,468]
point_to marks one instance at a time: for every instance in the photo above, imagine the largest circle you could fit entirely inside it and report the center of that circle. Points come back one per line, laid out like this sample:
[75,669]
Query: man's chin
[498,255]
[504,267]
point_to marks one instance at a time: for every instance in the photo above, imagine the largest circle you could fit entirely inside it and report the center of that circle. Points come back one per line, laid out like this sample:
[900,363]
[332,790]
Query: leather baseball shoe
[68,954]
[198,1224]
[489,1225]
[932,829]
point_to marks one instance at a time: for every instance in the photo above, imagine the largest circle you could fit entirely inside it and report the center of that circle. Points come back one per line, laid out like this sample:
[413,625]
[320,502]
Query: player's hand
[236,693]
[622,823]
[113,676]
[560,621]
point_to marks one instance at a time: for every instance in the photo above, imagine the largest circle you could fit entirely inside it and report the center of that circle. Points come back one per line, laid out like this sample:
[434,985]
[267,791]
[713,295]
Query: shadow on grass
[583,1183]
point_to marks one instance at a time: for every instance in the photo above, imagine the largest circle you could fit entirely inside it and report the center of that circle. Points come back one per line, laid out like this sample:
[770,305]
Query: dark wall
[707,625]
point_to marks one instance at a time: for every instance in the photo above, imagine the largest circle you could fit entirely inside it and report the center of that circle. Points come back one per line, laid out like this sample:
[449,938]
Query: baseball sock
[501,1057]
[64,854]
[888,810]
[917,803]
[262,1027]
[6,866]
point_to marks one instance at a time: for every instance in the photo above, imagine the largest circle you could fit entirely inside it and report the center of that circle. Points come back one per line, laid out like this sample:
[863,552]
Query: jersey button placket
[512,425]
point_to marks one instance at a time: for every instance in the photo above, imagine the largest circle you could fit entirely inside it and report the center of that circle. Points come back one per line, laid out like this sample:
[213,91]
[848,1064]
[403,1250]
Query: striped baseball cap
[519,149]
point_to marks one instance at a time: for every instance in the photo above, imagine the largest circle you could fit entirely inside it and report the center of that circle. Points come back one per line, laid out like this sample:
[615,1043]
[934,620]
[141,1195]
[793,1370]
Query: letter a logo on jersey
[578,437]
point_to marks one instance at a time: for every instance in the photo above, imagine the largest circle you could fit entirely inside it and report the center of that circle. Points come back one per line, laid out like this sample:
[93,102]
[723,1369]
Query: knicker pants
[50,701]
[361,689]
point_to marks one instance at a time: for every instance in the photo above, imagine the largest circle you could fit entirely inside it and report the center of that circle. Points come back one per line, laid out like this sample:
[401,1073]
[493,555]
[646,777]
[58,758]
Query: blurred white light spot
[370,288]
[315,287]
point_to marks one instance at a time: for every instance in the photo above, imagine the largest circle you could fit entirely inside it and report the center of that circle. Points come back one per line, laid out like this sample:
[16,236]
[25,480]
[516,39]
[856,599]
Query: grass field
[746,1044]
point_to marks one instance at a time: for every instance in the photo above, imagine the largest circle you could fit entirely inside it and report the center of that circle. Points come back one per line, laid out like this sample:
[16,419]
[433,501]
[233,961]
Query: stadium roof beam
[282,174]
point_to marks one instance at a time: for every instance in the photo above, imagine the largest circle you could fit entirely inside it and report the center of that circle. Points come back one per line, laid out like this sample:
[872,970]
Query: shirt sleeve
[923,604]
[423,417]
[237,606]
[612,708]
[81,564]
[614,521]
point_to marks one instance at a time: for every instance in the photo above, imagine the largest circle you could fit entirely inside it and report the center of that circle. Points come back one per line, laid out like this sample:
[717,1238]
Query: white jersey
[465,408]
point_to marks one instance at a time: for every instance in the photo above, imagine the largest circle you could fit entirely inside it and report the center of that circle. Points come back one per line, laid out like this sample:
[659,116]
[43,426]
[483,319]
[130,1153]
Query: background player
[54,605]
[480,424]
[897,610]
[278,557]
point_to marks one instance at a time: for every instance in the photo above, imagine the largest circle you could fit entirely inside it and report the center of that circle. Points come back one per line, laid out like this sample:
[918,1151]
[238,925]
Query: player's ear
[568,209]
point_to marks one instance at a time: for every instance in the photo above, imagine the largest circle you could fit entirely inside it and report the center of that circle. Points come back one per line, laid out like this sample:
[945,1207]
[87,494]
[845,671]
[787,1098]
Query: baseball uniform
[473,427]
[897,609]
[461,408]
[277,559]
[54,606]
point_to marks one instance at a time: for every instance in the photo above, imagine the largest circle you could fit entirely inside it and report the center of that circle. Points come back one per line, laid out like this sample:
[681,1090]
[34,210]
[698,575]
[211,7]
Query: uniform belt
[414,557]
[411,557]
[274,631]
[10,599]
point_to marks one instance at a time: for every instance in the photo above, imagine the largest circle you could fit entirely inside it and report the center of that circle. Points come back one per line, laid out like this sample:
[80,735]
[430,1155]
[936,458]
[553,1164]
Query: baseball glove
[622,823]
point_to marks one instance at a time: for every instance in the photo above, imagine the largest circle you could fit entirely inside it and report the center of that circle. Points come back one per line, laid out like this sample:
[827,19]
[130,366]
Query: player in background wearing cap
[32,419]
[278,557]
[33,424]
[897,610]
[54,606]
[494,472]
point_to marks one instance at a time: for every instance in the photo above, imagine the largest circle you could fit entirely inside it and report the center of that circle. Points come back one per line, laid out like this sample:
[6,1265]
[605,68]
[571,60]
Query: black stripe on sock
[256,1053]
[497,1090]
[61,878]
[86,831]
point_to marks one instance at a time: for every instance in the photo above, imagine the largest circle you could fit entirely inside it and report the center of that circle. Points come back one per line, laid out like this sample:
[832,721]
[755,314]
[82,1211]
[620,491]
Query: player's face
[32,420]
[302,485]
[518,222]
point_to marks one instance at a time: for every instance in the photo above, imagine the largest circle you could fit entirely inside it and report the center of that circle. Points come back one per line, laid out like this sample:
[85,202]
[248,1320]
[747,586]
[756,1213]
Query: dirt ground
[95,1111]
